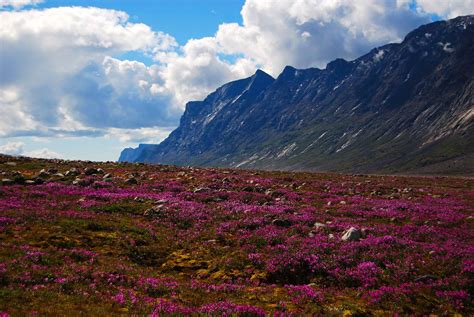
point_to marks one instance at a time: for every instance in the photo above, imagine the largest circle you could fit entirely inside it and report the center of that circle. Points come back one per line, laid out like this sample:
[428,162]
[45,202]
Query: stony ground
[83,238]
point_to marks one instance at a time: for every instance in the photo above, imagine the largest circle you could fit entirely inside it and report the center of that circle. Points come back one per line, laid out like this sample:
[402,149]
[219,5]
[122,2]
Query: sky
[85,79]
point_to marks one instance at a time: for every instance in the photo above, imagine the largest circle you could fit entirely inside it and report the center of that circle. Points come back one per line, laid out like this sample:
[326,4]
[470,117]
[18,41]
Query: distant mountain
[401,108]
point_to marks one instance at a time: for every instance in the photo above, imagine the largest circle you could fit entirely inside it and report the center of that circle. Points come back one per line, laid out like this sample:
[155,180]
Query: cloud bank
[18,149]
[60,77]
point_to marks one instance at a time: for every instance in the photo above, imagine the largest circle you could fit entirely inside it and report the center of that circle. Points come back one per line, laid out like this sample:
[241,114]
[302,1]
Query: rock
[108,175]
[38,181]
[60,175]
[6,182]
[364,232]
[43,174]
[352,234]
[318,225]
[30,182]
[52,171]
[19,179]
[72,172]
[281,223]
[200,190]
[425,278]
[10,164]
[131,181]
[153,211]
[90,171]
[331,236]
[100,171]
[82,182]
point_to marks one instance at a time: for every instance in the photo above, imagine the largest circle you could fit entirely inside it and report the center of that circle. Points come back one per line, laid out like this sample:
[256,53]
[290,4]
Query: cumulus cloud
[18,3]
[57,73]
[43,153]
[18,149]
[199,69]
[12,148]
[306,33]
[444,8]
[61,77]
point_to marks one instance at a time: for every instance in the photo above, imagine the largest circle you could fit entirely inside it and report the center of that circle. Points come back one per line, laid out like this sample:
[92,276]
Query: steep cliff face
[405,107]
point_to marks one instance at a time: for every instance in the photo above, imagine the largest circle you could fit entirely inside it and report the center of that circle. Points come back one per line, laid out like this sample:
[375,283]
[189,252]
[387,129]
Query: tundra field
[84,238]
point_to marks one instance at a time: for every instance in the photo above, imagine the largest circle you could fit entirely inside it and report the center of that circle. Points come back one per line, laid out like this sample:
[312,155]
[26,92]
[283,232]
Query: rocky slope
[401,108]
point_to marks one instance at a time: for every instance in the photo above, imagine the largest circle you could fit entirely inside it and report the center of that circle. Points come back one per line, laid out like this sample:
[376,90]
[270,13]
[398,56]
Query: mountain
[401,108]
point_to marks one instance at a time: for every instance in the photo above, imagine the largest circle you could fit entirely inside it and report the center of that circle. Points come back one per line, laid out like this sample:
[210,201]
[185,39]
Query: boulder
[281,223]
[7,181]
[351,234]
[90,171]
[319,225]
[72,172]
[131,181]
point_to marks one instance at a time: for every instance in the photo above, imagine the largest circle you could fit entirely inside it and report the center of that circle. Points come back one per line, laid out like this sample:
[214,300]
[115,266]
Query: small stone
[131,181]
[319,225]
[281,223]
[10,163]
[153,211]
[200,190]
[6,182]
[331,236]
[72,172]
[424,278]
[108,175]
[90,171]
[100,171]
[39,181]
[82,182]
[30,182]
[52,170]
[352,234]
[60,175]
[43,174]
[364,232]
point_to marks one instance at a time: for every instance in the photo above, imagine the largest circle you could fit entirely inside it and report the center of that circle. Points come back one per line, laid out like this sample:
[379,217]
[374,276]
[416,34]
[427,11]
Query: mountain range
[401,108]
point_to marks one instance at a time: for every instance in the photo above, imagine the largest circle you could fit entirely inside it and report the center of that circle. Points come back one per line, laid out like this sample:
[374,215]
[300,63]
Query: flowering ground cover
[120,239]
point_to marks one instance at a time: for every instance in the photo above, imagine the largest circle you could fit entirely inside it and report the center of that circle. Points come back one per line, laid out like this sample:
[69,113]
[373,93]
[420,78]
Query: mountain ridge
[400,108]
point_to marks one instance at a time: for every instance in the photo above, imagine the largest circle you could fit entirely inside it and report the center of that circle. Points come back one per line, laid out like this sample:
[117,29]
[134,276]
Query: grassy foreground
[83,238]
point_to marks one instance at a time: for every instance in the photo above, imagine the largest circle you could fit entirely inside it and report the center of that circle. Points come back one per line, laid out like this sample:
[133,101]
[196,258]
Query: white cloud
[12,148]
[57,73]
[446,8]
[18,148]
[43,153]
[143,135]
[307,33]
[18,3]
[198,70]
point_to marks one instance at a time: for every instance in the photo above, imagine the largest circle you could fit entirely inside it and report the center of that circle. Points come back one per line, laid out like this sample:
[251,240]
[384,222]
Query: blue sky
[184,19]
[84,79]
